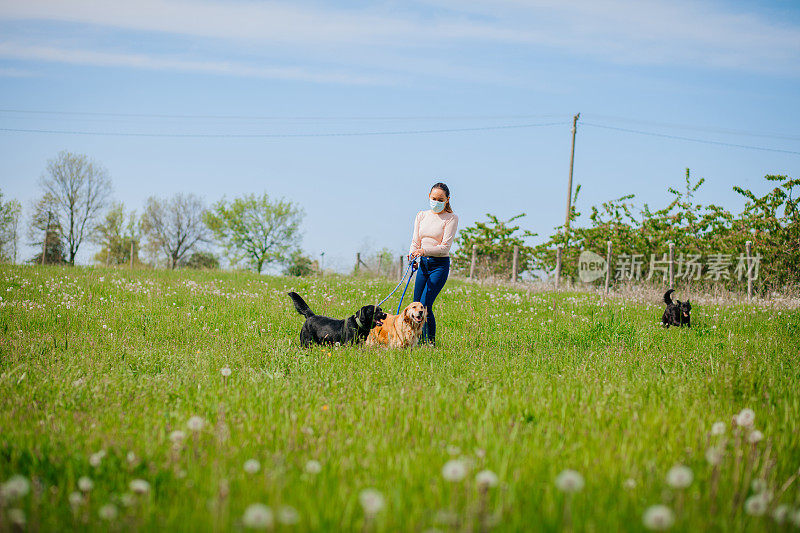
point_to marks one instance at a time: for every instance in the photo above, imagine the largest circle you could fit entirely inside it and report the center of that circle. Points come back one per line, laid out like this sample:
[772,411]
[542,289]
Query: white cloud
[105,59]
[644,32]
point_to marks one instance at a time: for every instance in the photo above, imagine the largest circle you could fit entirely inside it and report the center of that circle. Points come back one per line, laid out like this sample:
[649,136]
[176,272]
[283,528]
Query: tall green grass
[523,384]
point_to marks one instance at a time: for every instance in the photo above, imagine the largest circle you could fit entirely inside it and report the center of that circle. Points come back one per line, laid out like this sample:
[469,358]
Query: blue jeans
[431,276]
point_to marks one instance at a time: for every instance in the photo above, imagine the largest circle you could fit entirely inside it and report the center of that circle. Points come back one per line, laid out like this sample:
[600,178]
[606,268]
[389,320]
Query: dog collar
[358,321]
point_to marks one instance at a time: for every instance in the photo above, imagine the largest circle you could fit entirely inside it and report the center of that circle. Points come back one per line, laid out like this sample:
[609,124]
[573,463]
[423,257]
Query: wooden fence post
[671,265]
[400,270]
[558,264]
[131,254]
[748,247]
[472,263]
[608,267]
[358,261]
[514,264]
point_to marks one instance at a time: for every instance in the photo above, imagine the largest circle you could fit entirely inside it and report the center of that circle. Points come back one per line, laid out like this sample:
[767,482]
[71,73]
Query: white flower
[258,516]
[757,504]
[454,470]
[718,428]
[679,477]
[96,458]
[16,517]
[486,478]
[569,481]
[288,515]
[371,501]
[177,436]
[714,456]
[85,484]
[75,499]
[780,513]
[629,483]
[746,417]
[225,371]
[755,437]
[108,512]
[252,466]
[195,424]
[16,487]
[131,457]
[139,486]
[313,467]
[658,518]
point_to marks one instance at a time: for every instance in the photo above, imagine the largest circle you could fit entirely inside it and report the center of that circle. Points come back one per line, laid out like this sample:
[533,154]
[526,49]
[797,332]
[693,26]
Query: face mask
[437,207]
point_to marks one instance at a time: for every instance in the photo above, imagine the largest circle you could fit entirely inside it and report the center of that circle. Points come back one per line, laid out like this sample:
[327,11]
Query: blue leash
[408,269]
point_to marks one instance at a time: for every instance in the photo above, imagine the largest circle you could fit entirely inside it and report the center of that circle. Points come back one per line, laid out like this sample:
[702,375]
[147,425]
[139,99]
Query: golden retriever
[400,331]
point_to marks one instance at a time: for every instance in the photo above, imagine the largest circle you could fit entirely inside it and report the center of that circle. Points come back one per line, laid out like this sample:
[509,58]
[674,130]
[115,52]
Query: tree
[10,213]
[117,234]
[175,225]
[256,229]
[45,233]
[79,190]
[202,261]
[495,240]
[299,265]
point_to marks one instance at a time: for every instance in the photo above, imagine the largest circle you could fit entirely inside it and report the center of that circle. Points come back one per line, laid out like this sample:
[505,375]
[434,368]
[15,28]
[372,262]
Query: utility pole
[571,163]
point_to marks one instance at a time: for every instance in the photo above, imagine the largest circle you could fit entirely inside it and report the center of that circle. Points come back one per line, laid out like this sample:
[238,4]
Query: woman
[434,231]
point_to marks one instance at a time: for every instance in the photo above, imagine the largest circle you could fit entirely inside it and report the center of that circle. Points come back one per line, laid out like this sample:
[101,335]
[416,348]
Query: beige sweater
[434,233]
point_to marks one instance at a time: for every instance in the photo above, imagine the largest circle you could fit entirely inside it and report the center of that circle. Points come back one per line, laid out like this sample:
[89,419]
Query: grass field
[103,373]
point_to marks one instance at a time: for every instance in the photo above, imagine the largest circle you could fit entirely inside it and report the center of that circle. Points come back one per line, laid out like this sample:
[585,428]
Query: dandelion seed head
[127,499]
[780,513]
[177,436]
[258,516]
[746,417]
[252,466]
[658,518]
[718,428]
[225,371]
[108,512]
[96,458]
[629,483]
[139,486]
[288,515]
[569,481]
[486,478]
[755,437]
[679,477]
[85,484]
[757,504]
[16,517]
[195,424]
[454,470]
[313,467]
[16,487]
[75,499]
[371,501]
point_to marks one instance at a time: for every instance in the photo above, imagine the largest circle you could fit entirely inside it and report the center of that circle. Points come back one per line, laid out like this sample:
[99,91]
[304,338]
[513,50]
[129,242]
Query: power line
[690,139]
[706,129]
[276,135]
[283,117]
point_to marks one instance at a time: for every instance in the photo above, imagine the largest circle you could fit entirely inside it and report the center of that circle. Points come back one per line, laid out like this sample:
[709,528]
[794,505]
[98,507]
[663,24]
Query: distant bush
[202,261]
[299,265]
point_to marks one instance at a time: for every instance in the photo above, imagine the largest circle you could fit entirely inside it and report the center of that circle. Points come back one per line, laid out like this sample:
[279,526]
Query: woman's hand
[417,253]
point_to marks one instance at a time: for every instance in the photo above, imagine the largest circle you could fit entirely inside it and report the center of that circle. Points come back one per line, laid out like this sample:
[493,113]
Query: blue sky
[727,72]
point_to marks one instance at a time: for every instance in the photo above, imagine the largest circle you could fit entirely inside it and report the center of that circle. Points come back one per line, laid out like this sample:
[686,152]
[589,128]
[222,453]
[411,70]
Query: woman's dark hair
[446,190]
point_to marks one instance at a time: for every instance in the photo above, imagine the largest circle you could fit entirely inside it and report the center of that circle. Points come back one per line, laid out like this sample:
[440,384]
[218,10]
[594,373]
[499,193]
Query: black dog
[676,314]
[323,330]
